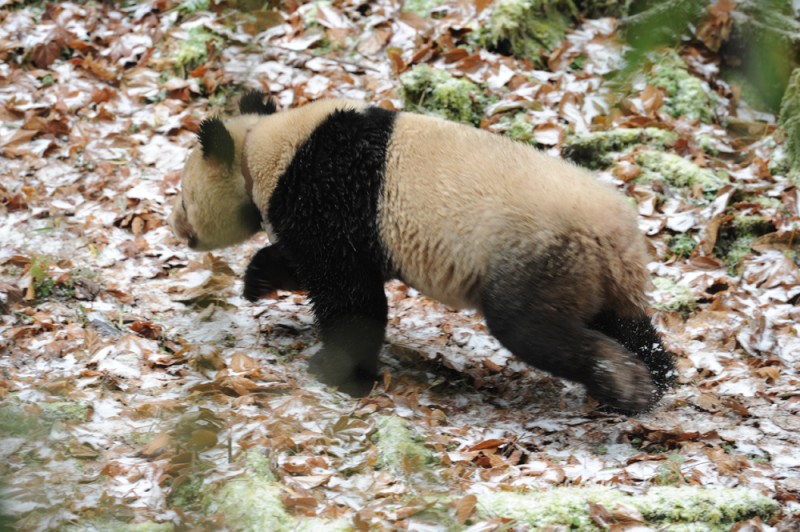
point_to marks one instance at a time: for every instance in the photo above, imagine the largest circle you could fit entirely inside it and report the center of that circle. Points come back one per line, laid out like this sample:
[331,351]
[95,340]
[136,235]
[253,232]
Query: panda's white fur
[551,256]
[492,195]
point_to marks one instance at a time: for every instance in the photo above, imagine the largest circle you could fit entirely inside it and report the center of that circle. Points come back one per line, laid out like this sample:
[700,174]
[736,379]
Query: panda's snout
[182,229]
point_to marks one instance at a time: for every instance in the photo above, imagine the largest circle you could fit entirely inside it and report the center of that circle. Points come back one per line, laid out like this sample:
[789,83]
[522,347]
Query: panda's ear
[216,141]
[253,103]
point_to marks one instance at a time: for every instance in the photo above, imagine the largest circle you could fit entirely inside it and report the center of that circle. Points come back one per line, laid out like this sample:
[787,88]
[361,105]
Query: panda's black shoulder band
[253,103]
[216,141]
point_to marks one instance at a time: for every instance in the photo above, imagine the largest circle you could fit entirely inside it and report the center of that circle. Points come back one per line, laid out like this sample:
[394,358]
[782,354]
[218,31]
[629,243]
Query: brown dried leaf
[652,99]
[202,439]
[769,373]
[157,446]
[600,515]
[396,57]
[465,506]
[45,54]
[374,41]
[480,5]
[487,444]
[241,363]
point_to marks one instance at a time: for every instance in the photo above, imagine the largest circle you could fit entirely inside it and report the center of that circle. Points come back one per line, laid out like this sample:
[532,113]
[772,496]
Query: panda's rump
[457,200]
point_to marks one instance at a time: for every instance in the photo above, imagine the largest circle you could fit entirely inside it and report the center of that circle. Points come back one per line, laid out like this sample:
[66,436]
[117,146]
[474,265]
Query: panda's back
[456,197]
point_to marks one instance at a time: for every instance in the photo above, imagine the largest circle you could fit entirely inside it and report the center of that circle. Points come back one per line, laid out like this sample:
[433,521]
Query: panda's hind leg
[529,311]
[639,336]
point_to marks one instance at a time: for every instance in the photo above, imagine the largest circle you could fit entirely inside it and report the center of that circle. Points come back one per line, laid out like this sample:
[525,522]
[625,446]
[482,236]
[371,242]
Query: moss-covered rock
[736,238]
[790,121]
[518,128]
[65,410]
[716,508]
[695,508]
[422,8]
[397,446]
[593,150]
[193,50]
[676,171]
[673,296]
[529,28]
[687,95]
[249,503]
[253,501]
[681,246]
[258,464]
[14,421]
[111,525]
[435,92]
[187,494]
[604,8]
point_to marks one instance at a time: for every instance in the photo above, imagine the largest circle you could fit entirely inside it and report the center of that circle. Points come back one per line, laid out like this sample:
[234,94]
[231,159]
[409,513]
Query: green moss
[193,51]
[674,297]
[780,164]
[145,526]
[397,446]
[42,283]
[718,509]
[318,525]
[604,8]
[518,128]
[112,525]
[707,143]
[422,8]
[789,119]
[16,422]
[436,92]
[700,508]
[187,495]
[682,245]
[676,171]
[529,28]
[249,504]
[193,6]
[258,464]
[669,472]
[687,96]
[593,150]
[65,410]
[735,239]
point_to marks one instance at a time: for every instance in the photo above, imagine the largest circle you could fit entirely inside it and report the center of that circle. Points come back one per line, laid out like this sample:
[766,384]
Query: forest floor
[138,387]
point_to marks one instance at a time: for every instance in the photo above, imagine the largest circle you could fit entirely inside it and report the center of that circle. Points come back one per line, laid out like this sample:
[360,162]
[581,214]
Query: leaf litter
[136,384]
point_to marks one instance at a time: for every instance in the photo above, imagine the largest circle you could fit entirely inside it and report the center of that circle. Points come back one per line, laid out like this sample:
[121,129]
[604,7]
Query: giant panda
[352,196]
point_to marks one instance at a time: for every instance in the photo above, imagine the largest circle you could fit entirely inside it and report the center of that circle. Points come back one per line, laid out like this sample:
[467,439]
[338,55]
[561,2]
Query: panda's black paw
[338,371]
[623,385]
[268,272]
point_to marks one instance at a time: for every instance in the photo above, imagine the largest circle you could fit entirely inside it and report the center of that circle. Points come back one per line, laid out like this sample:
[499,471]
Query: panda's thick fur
[353,195]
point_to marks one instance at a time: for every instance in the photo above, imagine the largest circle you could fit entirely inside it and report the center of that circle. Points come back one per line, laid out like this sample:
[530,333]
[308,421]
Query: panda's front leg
[351,313]
[269,270]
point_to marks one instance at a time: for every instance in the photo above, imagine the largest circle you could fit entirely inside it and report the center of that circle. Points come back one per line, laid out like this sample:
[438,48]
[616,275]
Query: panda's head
[214,208]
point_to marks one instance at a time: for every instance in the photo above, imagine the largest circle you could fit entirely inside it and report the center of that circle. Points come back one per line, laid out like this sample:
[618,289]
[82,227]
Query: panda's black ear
[216,141]
[252,103]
